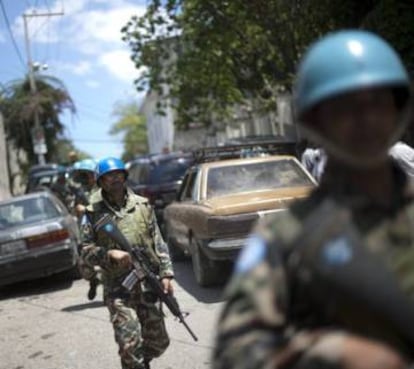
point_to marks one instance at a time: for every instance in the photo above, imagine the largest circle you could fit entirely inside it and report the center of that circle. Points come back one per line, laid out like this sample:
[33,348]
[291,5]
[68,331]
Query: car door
[178,213]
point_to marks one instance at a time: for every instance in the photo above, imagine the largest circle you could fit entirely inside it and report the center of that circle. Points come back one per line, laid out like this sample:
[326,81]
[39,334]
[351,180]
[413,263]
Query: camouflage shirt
[271,318]
[137,222]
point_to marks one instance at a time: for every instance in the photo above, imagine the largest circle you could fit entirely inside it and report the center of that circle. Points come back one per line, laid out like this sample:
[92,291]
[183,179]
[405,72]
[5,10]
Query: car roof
[30,195]
[45,173]
[41,168]
[157,158]
[256,159]
[216,153]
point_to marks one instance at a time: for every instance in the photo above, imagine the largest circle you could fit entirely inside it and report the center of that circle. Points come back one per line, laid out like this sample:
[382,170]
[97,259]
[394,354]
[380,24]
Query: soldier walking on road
[83,186]
[136,316]
[284,307]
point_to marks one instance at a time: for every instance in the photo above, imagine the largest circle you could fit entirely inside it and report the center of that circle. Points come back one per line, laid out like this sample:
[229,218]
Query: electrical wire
[6,18]
[98,141]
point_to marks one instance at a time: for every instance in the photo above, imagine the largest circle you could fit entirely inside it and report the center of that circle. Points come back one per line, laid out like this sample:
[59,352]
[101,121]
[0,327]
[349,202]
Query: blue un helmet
[109,164]
[345,61]
[76,166]
[80,167]
[88,165]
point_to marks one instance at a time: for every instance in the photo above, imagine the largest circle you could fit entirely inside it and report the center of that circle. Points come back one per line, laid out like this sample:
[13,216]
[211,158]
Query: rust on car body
[220,201]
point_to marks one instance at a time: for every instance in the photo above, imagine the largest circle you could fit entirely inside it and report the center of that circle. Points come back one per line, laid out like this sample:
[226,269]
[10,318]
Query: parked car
[158,177]
[219,202]
[45,176]
[38,237]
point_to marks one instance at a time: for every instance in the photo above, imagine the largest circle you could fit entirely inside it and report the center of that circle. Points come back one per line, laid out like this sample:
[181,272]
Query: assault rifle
[142,269]
[349,284]
[80,197]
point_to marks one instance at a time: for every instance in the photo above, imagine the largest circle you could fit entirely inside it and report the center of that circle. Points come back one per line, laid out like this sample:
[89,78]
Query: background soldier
[136,317]
[285,309]
[73,157]
[82,186]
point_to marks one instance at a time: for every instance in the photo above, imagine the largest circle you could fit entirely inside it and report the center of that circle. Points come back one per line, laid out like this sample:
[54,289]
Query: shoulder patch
[252,254]
[84,220]
[337,252]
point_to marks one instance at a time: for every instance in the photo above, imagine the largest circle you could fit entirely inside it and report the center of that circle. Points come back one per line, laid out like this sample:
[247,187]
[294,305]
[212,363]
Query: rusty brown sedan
[220,201]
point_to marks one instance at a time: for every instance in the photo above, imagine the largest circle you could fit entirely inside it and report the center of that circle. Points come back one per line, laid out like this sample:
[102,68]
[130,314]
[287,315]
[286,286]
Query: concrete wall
[190,139]
[160,128]
[4,177]
[162,135]
[16,157]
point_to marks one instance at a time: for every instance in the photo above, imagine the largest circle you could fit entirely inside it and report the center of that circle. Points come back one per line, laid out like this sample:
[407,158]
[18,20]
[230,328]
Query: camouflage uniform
[269,320]
[88,271]
[136,317]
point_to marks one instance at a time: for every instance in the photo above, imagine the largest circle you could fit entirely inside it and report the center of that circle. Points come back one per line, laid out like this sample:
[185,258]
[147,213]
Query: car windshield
[256,176]
[27,211]
[169,171]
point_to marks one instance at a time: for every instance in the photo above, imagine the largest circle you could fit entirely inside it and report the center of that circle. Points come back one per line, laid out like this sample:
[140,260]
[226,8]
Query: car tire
[75,273]
[207,272]
[176,253]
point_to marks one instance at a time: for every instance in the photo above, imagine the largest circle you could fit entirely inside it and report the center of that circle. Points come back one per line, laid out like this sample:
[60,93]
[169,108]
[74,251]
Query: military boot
[93,284]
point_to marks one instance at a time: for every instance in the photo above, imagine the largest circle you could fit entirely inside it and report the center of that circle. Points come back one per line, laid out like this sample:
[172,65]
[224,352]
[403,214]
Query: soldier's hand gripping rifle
[80,197]
[142,269]
[352,286]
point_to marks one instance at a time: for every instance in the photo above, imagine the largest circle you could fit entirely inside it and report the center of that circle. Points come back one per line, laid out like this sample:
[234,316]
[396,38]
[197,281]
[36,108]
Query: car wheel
[206,271]
[176,253]
[74,273]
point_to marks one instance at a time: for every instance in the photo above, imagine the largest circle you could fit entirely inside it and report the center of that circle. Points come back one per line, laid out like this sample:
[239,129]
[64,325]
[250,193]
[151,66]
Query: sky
[83,48]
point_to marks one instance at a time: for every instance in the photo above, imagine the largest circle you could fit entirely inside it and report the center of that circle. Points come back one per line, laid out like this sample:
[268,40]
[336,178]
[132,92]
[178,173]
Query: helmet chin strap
[349,158]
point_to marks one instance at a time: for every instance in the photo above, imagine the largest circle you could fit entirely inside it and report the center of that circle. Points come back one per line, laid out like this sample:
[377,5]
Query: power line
[101,141]
[6,18]
[93,111]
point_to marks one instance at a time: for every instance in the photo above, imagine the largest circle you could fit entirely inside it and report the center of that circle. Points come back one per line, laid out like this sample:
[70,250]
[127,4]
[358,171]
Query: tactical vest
[330,239]
[134,221]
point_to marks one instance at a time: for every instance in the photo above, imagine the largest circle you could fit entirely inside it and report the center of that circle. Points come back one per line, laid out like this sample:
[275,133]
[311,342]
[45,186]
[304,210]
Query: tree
[63,147]
[132,125]
[19,105]
[205,56]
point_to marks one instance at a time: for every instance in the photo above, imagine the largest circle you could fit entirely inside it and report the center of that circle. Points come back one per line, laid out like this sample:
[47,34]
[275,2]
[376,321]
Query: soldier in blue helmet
[82,186]
[135,315]
[308,288]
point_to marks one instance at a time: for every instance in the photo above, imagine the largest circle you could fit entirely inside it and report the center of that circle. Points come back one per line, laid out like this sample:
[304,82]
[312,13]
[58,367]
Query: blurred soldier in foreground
[83,185]
[321,285]
[135,315]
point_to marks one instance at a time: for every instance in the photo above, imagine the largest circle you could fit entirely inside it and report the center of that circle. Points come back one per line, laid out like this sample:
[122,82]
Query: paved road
[49,324]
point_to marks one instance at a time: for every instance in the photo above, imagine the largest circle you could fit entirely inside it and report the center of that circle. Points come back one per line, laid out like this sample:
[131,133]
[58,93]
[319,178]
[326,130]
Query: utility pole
[38,137]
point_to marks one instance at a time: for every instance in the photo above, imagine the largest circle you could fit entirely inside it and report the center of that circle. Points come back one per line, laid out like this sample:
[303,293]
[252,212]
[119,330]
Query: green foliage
[63,147]
[204,56]
[19,105]
[132,126]
[394,20]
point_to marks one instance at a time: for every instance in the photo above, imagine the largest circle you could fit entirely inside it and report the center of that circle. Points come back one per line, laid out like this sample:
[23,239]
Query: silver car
[38,237]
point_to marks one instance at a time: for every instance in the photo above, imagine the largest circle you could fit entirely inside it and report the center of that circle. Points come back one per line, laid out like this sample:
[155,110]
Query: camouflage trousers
[139,328]
[87,271]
